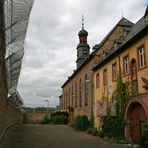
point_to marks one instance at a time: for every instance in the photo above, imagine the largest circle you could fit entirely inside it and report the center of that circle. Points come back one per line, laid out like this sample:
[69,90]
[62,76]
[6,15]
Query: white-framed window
[141,57]
[126,65]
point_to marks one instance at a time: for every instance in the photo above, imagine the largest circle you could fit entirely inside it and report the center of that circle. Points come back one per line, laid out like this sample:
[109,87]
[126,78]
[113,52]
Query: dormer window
[105,53]
[125,33]
[146,20]
[115,45]
[146,16]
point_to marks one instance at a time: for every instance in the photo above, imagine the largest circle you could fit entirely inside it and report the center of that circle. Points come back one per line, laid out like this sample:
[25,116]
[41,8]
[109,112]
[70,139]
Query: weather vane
[82,21]
[122,12]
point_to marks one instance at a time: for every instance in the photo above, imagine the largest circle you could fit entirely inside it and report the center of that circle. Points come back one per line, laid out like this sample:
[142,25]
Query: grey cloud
[52,37]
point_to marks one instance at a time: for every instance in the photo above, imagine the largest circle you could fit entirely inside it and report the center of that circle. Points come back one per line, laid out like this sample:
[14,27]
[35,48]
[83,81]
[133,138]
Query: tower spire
[82,21]
[82,48]
[122,12]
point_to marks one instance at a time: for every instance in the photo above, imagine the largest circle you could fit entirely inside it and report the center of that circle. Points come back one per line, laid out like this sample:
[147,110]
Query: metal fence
[16,14]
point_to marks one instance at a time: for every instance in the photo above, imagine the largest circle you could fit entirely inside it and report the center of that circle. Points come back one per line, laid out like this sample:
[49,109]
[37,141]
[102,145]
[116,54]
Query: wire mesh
[17,14]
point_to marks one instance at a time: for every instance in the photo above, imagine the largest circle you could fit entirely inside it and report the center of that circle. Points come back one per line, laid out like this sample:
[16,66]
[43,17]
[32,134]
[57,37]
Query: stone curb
[5,129]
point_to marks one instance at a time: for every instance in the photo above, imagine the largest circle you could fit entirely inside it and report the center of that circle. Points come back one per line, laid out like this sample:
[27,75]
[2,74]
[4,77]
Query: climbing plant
[113,126]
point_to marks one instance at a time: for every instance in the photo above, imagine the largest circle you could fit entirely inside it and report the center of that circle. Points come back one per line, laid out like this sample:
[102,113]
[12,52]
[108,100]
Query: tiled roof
[122,22]
[125,22]
[146,12]
[136,29]
[132,30]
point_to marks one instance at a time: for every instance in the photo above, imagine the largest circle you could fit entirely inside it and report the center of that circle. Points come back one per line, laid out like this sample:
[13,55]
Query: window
[66,100]
[72,97]
[126,65]
[80,93]
[141,57]
[105,77]
[69,98]
[97,81]
[61,102]
[86,90]
[76,95]
[114,71]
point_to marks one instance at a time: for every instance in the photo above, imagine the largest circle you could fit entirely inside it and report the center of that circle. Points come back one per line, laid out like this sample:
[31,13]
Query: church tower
[83,47]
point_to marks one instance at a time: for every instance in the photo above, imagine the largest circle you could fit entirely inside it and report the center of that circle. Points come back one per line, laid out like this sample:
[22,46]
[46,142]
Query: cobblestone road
[51,136]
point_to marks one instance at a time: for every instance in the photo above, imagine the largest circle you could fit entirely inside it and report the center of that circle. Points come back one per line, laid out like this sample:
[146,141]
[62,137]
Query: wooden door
[137,115]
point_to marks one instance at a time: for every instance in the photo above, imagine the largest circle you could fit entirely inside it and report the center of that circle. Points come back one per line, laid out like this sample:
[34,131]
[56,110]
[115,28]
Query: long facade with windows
[78,90]
[129,57]
[126,48]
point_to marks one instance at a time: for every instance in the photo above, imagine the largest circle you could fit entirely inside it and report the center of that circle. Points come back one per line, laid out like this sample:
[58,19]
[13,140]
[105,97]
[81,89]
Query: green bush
[59,119]
[59,113]
[144,138]
[113,127]
[109,126]
[46,120]
[92,131]
[145,124]
[72,125]
[100,133]
[91,121]
[81,123]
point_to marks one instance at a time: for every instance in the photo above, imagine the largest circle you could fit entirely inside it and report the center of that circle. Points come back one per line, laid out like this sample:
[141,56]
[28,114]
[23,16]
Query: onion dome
[83,32]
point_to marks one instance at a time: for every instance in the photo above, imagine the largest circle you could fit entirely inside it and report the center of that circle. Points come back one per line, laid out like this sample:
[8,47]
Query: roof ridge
[125,22]
[146,11]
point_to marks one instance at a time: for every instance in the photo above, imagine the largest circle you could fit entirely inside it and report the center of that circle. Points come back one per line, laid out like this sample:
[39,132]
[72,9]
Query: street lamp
[47,106]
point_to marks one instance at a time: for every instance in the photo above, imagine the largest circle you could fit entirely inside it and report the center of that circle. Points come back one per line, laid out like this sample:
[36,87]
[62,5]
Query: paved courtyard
[51,136]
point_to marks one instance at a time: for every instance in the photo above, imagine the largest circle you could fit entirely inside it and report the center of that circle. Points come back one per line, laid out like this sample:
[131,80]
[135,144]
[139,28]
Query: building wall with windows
[77,93]
[131,57]
[78,90]
[106,83]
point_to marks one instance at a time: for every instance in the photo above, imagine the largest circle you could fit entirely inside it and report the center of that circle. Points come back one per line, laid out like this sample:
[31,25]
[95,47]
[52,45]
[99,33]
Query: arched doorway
[136,116]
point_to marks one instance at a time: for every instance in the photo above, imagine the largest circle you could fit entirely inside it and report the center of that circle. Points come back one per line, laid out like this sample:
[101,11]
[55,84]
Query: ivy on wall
[113,126]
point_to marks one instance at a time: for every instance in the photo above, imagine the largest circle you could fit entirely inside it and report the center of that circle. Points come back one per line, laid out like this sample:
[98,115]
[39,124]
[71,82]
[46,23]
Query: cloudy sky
[52,37]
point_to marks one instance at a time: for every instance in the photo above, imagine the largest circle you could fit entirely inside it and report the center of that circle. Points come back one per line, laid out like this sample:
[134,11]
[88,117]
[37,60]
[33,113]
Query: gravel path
[51,136]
